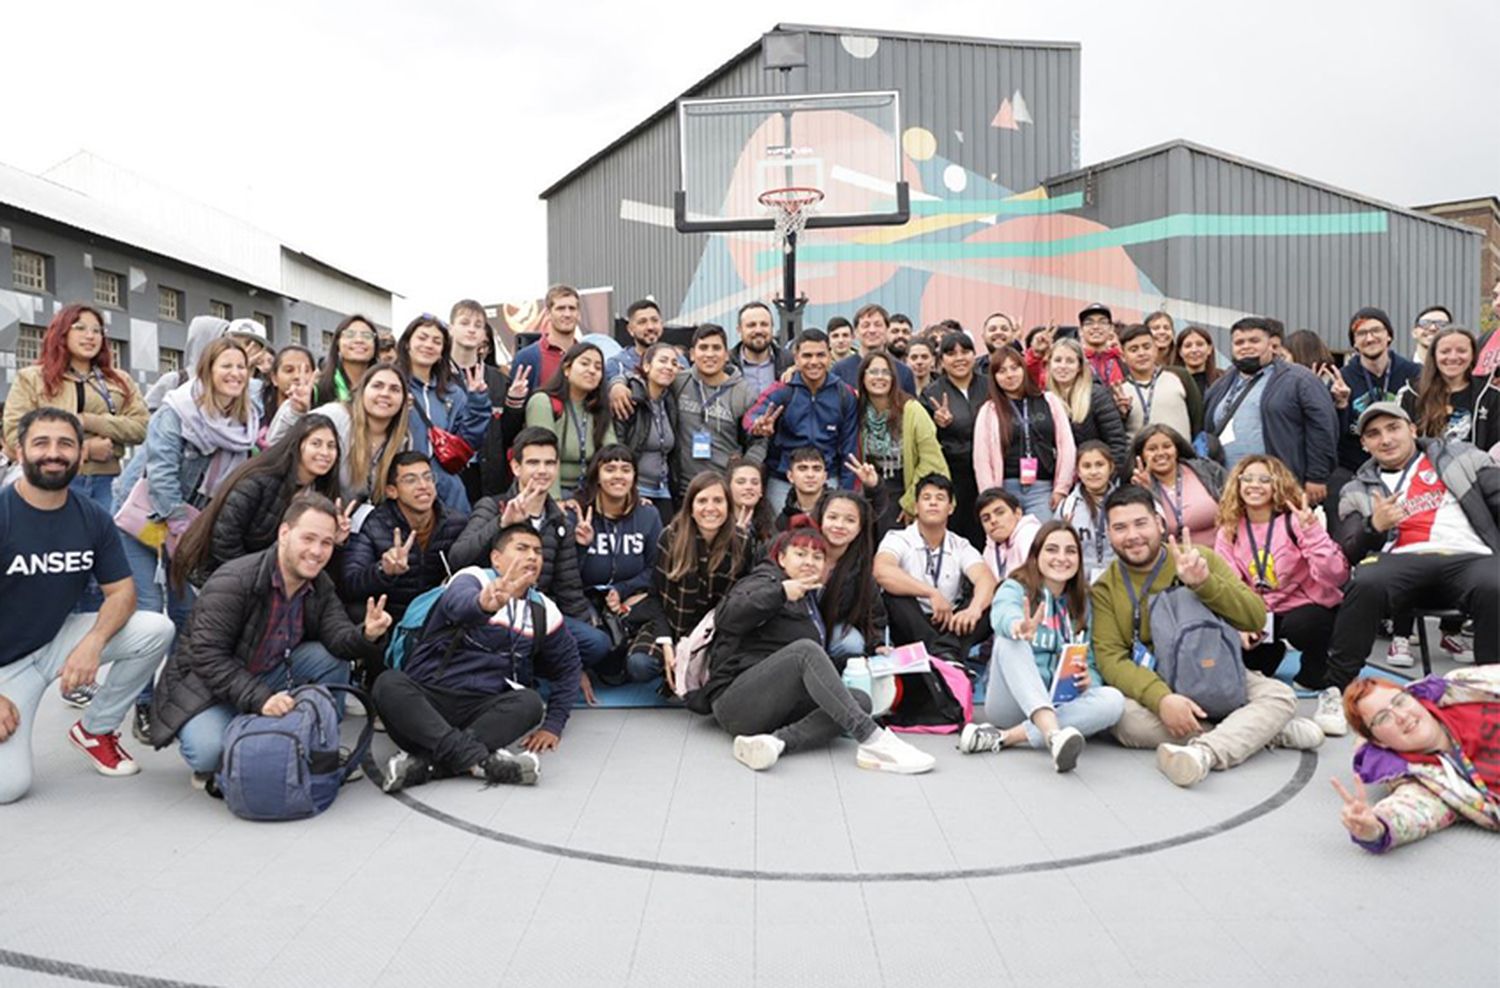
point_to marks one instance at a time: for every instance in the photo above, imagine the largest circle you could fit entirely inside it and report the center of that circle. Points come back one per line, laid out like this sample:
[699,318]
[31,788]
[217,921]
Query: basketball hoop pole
[789,303]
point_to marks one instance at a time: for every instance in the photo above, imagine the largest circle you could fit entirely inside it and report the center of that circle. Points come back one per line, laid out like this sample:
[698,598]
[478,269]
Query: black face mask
[1248,366]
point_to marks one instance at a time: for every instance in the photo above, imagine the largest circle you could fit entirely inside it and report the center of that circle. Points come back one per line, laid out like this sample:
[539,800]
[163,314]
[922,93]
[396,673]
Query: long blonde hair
[358,453]
[1286,493]
[239,409]
[1078,395]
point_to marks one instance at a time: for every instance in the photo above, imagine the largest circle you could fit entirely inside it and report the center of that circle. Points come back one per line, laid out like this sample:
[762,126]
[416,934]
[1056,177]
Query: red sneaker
[103,750]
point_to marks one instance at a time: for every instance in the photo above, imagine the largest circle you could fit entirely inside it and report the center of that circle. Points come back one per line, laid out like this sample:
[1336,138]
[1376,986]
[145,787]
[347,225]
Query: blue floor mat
[630,695]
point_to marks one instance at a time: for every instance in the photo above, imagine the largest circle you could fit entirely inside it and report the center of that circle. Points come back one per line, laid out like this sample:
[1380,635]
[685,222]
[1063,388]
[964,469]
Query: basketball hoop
[792,206]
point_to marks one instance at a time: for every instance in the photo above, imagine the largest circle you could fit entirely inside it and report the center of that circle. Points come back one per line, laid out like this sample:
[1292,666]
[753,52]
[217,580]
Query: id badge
[1141,656]
[703,445]
[1268,633]
[1028,471]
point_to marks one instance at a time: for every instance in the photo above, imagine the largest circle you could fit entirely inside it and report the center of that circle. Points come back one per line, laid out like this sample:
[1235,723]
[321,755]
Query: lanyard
[709,398]
[1385,379]
[1237,393]
[817,615]
[1262,565]
[1146,398]
[512,614]
[1135,601]
[1023,410]
[934,573]
[97,381]
[583,451]
[1099,521]
[1401,480]
[1060,611]
[999,563]
[1177,509]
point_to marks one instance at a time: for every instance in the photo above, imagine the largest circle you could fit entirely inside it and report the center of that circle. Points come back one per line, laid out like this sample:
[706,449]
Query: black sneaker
[81,696]
[207,782]
[357,774]
[404,770]
[140,724]
[502,768]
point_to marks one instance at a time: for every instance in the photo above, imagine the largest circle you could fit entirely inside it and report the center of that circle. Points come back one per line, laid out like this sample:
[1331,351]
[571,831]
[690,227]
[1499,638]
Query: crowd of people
[484,543]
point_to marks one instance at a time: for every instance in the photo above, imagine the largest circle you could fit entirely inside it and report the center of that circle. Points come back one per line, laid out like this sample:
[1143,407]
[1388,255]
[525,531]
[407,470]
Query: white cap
[247,327]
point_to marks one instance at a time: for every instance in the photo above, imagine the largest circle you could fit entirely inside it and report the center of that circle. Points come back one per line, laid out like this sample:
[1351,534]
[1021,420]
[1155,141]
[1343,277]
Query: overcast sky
[407,141]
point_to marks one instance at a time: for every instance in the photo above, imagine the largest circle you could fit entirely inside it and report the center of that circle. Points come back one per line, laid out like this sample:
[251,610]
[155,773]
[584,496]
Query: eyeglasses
[1431,323]
[86,329]
[877,372]
[1255,478]
[1370,331]
[357,334]
[1399,703]
[415,480]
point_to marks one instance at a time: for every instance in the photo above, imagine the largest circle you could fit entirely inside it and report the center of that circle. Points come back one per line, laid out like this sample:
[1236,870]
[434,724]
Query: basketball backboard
[848,145]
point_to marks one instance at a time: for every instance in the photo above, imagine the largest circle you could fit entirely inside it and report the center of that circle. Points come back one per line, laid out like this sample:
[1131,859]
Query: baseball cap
[247,327]
[1094,307]
[1380,408]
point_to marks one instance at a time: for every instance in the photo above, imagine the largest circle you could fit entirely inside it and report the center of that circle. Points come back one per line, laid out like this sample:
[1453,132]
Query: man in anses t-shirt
[51,542]
[1420,525]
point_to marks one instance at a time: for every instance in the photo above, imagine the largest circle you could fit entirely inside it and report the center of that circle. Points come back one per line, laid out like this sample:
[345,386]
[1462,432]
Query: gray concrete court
[647,856]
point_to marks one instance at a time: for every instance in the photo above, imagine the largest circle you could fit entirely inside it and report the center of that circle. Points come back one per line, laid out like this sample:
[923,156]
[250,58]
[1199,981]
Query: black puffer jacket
[211,661]
[1103,423]
[248,520]
[559,578]
[362,576]
[753,621]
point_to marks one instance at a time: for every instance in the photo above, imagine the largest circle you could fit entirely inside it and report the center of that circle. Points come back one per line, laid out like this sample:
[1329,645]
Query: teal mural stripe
[1150,231]
[1000,207]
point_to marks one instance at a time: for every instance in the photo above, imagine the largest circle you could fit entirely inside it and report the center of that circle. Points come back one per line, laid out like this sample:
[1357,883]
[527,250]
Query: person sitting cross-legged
[53,540]
[261,625]
[467,692]
[1187,745]
[922,568]
[1037,613]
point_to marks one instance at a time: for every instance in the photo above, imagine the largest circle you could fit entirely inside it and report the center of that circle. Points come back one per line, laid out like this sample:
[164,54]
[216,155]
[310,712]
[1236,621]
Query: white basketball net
[791,207]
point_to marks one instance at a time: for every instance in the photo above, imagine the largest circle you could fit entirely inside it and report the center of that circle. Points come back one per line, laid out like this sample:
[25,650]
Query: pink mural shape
[1005,117]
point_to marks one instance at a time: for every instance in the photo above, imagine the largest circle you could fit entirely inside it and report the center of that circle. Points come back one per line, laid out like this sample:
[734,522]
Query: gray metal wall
[69,280]
[1309,281]
[947,86]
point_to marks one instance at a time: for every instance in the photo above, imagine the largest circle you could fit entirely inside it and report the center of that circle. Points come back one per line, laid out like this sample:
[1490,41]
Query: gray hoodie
[202,331]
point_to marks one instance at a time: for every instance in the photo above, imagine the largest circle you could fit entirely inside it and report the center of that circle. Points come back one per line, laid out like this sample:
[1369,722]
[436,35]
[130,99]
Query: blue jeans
[201,739]
[132,654]
[96,489]
[1036,499]
[845,642]
[153,591]
[593,644]
[642,667]
[1016,691]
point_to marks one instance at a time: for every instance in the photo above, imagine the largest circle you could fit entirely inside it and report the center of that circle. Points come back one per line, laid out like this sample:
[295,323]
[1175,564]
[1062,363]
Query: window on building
[220,310]
[267,321]
[117,354]
[29,345]
[327,343]
[299,333]
[107,288]
[169,303]
[28,270]
[169,360]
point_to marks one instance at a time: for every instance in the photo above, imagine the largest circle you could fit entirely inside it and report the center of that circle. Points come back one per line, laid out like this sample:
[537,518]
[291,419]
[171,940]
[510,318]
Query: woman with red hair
[75,373]
[1435,746]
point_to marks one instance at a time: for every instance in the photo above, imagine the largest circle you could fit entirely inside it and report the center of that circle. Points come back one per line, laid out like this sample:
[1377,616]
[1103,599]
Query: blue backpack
[287,768]
[409,630]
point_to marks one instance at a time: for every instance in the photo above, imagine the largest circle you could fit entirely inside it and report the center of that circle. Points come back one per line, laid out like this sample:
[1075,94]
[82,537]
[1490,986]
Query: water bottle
[857,677]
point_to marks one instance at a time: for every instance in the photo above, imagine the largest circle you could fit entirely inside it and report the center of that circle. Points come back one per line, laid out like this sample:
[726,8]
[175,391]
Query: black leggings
[456,730]
[1309,629]
[796,694]
[910,624]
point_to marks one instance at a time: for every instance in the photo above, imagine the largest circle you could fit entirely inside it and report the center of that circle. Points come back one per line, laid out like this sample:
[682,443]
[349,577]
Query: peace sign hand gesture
[1192,567]
[1121,396]
[501,590]
[345,519]
[743,515]
[942,414]
[300,397]
[1389,512]
[868,476]
[529,502]
[474,379]
[1025,628]
[583,532]
[1140,476]
[1356,816]
[397,559]
[1307,518]
[520,385]
[1339,390]
[766,424]
[377,619]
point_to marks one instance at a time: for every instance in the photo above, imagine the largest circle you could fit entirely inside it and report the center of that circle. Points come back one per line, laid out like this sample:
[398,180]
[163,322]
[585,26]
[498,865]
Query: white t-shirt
[1435,521]
[943,567]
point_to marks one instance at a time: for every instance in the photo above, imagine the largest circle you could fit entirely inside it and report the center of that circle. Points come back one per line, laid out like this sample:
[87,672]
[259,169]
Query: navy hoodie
[623,553]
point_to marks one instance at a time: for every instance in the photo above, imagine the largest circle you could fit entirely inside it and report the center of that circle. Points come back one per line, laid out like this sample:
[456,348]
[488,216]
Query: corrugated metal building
[1219,236]
[1007,220]
[609,221]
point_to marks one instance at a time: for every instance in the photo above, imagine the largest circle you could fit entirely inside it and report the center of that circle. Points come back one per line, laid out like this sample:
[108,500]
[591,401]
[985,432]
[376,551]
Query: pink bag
[936,702]
[134,519]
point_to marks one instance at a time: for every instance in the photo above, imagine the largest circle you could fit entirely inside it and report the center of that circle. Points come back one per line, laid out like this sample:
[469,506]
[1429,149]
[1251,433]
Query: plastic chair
[1421,614]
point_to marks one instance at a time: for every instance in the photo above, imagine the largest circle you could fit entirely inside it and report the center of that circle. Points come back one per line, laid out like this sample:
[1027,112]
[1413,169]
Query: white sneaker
[353,707]
[1330,715]
[1398,653]
[758,751]
[1185,764]
[975,738]
[1066,744]
[1460,647]
[1300,734]
[884,752]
